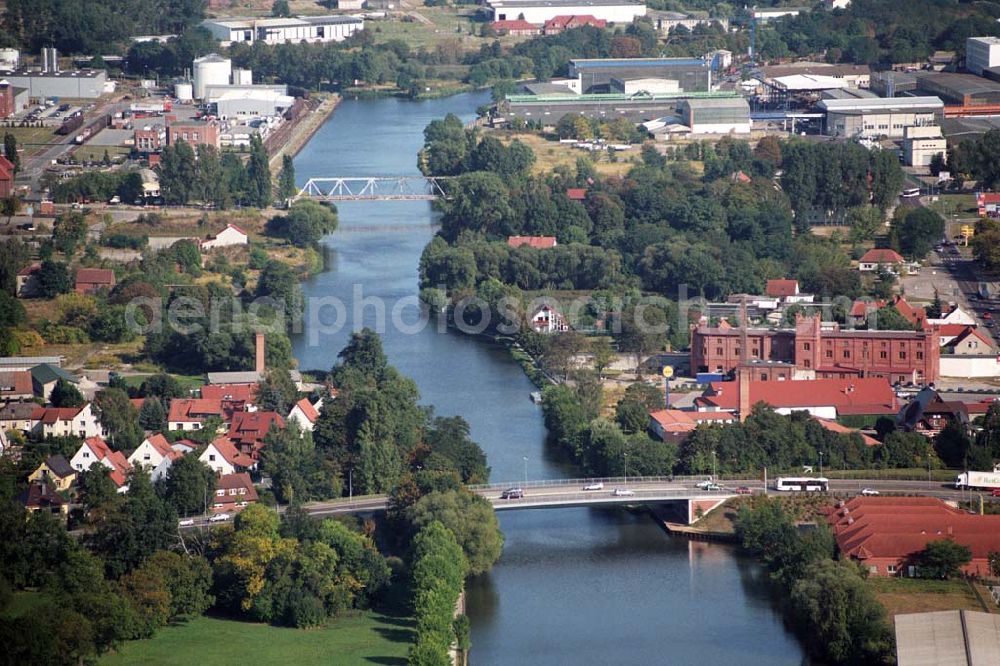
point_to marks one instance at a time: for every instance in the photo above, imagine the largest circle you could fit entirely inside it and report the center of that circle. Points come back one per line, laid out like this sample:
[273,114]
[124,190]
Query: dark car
[512,493]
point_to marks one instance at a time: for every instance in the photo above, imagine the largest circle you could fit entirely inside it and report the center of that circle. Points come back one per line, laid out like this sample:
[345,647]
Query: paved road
[565,494]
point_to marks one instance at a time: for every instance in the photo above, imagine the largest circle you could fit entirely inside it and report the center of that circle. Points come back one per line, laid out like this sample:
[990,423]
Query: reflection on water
[574,586]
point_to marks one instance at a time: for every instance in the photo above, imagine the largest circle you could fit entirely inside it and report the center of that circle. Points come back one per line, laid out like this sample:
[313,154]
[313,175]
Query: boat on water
[536,397]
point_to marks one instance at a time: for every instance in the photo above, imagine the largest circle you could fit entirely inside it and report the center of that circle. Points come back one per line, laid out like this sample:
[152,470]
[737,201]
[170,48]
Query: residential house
[20,416]
[877,258]
[546,319]
[63,421]
[576,194]
[787,291]
[538,242]
[6,177]
[93,280]
[675,425]
[305,414]
[886,534]
[235,393]
[917,316]
[824,398]
[27,282]
[971,342]
[248,430]
[16,386]
[40,497]
[222,456]
[840,429]
[153,451]
[517,27]
[230,236]
[45,376]
[192,413]
[954,315]
[233,492]
[948,333]
[235,377]
[928,413]
[558,24]
[56,472]
[96,450]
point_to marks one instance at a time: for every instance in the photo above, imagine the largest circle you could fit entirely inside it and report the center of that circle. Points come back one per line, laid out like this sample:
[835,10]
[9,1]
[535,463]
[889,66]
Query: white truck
[982,480]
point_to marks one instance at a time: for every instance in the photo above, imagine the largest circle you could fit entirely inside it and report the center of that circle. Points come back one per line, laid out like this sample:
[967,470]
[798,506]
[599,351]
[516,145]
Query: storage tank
[9,58]
[212,70]
[242,77]
[184,91]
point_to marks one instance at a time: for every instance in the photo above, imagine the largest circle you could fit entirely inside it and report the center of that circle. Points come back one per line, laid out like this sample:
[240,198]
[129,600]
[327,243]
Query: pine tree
[286,179]
[259,174]
[10,150]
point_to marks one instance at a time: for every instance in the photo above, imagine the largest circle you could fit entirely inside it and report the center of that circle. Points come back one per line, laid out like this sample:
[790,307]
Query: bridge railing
[584,481]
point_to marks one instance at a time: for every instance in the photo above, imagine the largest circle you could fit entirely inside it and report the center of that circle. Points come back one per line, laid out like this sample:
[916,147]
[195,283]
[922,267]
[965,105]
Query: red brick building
[92,280]
[150,139]
[518,27]
[538,242]
[886,534]
[194,133]
[557,24]
[816,350]
[8,106]
[6,177]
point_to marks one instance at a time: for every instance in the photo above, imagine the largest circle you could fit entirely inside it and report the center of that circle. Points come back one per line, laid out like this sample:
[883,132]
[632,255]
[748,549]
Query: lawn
[915,595]
[550,154]
[366,638]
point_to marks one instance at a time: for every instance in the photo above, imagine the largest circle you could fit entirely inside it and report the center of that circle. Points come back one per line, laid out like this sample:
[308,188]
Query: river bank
[303,131]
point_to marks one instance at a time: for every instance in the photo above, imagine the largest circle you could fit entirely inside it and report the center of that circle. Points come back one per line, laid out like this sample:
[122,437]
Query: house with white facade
[954,316]
[231,235]
[279,30]
[96,450]
[154,454]
[546,319]
[69,421]
[305,414]
[222,456]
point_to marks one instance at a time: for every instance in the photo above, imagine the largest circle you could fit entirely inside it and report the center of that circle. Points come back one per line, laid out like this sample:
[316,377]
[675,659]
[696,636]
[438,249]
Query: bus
[806,483]
[910,192]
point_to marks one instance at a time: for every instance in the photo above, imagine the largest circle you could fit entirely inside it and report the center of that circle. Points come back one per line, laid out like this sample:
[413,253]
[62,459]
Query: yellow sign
[968,230]
[668,371]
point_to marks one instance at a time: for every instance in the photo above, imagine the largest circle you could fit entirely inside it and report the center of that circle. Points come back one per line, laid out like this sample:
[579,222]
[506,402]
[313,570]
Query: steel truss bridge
[375,188]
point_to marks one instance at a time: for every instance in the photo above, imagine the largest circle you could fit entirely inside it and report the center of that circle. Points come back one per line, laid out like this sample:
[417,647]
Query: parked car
[594,486]
[869,492]
[219,518]
[744,490]
[187,522]
[512,493]
[996,492]
[623,492]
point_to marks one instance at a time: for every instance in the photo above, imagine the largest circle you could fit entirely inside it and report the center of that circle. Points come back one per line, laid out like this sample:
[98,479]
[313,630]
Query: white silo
[184,91]
[9,58]
[211,70]
[242,77]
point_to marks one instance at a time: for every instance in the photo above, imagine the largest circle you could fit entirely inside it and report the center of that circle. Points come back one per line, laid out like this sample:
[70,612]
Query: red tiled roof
[16,383]
[566,22]
[6,169]
[252,427]
[951,329]
[233,226]
[50,415]
[973,333]
[308,410]
[859,395]
[782,287]
[121,468]
[577,193]
[237,480]
[914,315]
[28,270]
[100,276]
[673,420]
[513,24]
[242,392]
[881,256]
[98,446]
[860,308]
[137,402]
[230,453]
[160,444]
[833,426]
[541,242]
[193,409]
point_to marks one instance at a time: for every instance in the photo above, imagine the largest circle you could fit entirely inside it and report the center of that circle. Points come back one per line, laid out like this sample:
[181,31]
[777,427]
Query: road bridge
[374,188]
[570,493]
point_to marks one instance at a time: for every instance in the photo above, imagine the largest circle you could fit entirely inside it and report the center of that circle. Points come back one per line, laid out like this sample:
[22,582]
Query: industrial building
[893,84]
[249,103]
[855,76]
[12,99]
[762,16]
[959,89]
[666,22]
[631,86]
[213,91]
[921,144]
[879,117]
[78,83]
[692,74]
[981,53]
[540,12]
[211,70]
[280,30]
[548,109]
[716,115]
[195,133]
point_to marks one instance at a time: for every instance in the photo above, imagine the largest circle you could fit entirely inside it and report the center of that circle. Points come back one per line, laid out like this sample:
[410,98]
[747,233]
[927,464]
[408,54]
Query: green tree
[188,579]
[178,172]
[305,224]
[286,179]
[96,489]
[66,394]
[10,151]
[280,8]
[470,518]
[259,174]
[919,229]
[53,279]
[119,417]
[163,386]
[298,472]
[942,558]
[189,486]
[152,415]
[277,392]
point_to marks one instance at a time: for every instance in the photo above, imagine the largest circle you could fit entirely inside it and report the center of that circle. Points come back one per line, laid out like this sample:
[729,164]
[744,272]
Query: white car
[187,522]
[219,518]
[623,492]
[869,491]
[594,486]
[703,485]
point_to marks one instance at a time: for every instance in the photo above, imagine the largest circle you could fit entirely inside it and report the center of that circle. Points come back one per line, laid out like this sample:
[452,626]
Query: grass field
[366,638]
[550,154]
[915,595]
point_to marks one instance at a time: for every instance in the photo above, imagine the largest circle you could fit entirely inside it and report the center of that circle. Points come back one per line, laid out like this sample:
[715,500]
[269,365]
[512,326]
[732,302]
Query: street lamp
[525,458]
[625,454]
[714,471]
[821,463]
[350,483]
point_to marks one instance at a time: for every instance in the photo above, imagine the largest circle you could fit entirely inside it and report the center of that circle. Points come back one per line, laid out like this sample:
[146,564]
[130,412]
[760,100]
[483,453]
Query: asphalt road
[656,490]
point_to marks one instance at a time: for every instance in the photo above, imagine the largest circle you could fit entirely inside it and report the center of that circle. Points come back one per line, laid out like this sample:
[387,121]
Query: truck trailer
[979,480]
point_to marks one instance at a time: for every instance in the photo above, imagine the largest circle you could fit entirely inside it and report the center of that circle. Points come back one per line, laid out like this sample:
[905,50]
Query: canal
[574,585]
